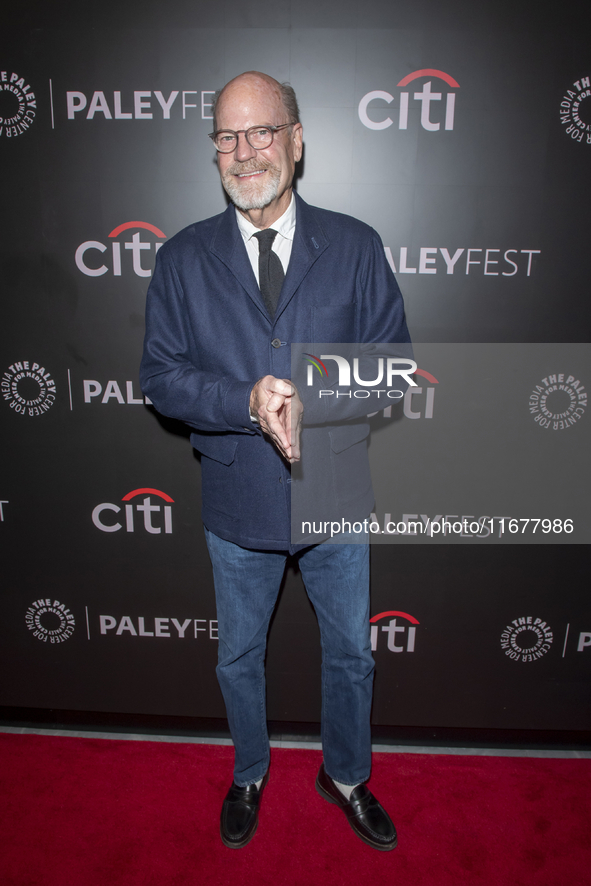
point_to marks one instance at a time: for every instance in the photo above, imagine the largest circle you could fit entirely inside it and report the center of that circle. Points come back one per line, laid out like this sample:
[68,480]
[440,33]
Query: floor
[312,745]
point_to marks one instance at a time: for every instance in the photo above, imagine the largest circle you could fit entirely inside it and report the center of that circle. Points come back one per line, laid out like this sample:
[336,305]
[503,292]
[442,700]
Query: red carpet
[93,812]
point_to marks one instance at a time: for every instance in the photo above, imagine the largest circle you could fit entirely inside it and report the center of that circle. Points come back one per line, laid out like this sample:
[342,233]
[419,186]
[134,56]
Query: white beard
[253,194]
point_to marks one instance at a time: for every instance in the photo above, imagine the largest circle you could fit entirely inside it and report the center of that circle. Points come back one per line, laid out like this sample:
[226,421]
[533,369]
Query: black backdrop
[477,180]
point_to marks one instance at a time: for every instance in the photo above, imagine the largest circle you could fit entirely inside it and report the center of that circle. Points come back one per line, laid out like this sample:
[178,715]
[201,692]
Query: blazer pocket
[347,435]
[350,463]
[219,447]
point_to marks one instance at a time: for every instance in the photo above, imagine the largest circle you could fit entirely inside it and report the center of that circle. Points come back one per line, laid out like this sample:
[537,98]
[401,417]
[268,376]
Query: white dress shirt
[282,244]
[285,227]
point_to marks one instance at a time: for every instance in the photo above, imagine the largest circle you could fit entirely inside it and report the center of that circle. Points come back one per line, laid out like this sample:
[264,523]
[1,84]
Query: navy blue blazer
[209,339]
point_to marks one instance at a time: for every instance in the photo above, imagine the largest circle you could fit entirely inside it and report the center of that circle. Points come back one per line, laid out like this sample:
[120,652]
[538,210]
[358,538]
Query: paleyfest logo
[558,401]
[526,639]
[50,621]
[28,388]
[17,104]
[425,97]
[577,126]
[139,104]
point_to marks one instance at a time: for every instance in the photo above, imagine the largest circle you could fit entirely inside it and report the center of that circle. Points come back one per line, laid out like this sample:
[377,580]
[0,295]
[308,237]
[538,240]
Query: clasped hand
[276,403]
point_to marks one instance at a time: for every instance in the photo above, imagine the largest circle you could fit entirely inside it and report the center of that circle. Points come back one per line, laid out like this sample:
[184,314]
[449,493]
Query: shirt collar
[285,224]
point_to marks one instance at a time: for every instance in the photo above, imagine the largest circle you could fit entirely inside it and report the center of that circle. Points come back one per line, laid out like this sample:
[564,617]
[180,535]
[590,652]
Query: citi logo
[425,97]
[87,259]
[418,401]
[144,507]
[417,404]
[401,637]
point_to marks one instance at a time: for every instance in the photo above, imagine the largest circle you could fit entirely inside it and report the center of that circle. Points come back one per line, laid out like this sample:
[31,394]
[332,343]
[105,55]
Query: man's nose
[243,150]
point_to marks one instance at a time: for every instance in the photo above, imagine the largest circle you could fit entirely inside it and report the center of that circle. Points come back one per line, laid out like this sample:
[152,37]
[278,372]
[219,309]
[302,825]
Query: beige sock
[345,789]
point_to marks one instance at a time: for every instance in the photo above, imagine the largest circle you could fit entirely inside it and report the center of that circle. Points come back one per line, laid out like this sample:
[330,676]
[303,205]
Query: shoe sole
[233,845]
[379,846]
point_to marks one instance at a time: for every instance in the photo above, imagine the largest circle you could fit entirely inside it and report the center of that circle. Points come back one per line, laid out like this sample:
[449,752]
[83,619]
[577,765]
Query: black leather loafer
[367,817]
[240,814]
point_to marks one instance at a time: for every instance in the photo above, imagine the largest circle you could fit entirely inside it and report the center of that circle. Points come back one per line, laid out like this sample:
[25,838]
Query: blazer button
[276,343]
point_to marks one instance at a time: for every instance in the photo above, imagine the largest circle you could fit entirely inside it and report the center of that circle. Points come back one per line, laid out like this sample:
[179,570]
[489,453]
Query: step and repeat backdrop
[463,137]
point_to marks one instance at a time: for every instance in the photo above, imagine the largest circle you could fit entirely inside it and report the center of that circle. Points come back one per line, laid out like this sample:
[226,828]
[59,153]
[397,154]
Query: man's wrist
[252,406]
[236,405]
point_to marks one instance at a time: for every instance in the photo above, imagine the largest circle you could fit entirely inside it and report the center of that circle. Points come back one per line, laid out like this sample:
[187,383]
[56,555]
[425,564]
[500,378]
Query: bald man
[228,297]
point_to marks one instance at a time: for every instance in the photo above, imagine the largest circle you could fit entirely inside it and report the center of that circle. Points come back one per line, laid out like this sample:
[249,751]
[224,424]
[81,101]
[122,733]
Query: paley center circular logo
[526,638]
[50,621]
[558,401]
[575,110]
[28,388]
[17,104]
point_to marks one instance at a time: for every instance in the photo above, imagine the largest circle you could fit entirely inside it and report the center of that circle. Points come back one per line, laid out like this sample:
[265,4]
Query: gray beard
[255,195]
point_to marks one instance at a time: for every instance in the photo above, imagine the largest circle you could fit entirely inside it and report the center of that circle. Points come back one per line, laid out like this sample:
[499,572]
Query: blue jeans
[247,584]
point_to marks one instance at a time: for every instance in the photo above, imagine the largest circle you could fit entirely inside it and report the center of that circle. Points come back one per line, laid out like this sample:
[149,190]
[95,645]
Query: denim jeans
[247,584]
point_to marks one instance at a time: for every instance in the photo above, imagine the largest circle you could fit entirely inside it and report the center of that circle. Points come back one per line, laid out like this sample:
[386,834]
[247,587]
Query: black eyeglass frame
[272,129]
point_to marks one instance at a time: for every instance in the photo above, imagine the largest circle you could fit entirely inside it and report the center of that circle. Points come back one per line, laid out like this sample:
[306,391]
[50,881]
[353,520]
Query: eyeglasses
[258,137]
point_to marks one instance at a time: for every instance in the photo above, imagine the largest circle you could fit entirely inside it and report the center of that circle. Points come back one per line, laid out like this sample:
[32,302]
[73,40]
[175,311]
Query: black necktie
[270,270]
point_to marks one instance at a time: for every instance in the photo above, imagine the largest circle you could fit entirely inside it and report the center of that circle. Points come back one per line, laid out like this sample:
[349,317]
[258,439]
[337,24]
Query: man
[228,297]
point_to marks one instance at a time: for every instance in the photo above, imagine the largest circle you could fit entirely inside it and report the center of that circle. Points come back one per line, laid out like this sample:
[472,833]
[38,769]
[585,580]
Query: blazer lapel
[309,243]
[227,245]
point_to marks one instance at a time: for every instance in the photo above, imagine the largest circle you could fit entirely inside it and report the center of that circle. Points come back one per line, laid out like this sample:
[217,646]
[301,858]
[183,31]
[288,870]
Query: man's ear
[297,136]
